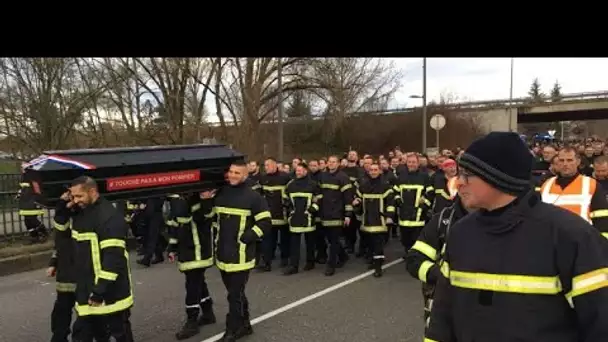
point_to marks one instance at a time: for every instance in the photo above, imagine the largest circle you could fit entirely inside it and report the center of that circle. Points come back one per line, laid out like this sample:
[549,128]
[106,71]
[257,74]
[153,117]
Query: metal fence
[11,224]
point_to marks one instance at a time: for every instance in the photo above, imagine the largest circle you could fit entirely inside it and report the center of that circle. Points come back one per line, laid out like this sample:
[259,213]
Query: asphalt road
[304,307]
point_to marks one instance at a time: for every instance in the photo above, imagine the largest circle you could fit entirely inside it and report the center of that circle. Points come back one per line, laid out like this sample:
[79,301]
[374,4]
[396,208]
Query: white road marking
[308,298]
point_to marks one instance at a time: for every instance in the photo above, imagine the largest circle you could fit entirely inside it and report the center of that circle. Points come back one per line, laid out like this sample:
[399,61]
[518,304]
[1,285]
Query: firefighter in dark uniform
[31,211]
[103,278]
[254,175]
[133,212]
[242,217]
[315,171]
[273,186]
[301,197]
[424,259]
[336,210]
[390,177]
[517,269]
[61,266]
[444,186]
[355,174]
[375,202]
[155,242]
[411,191]
[191,244]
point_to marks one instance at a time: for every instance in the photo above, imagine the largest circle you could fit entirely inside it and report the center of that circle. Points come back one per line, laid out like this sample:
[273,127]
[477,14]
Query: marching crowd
[520,268]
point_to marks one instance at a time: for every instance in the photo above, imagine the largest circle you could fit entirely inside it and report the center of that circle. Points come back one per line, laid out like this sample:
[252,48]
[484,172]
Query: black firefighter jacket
[424,258]
[301,197]
[191,238]
[376,204]
[241,217]
[101,258]
[337,194]
[529,271]
[63,255]
[27,201]
[273,187]
[412,190]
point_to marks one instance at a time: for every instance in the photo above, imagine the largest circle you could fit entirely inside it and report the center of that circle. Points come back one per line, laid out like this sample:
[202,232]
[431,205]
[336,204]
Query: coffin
[131,173]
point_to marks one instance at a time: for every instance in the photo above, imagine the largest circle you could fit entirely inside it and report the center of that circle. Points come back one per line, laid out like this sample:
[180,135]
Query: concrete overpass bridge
[506,114]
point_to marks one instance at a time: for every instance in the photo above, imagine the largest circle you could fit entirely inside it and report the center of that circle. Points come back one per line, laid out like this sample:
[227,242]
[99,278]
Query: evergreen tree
[556,92]
[535,93]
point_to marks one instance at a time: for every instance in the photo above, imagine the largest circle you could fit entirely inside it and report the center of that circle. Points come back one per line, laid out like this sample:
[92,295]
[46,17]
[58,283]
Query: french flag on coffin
[39,162]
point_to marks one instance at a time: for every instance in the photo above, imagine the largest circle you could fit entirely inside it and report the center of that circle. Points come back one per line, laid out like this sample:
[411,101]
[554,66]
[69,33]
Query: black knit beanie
[502,160]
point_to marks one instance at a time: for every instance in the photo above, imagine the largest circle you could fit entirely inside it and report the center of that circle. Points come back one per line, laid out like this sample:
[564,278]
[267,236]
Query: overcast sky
[489,78]
[478,79]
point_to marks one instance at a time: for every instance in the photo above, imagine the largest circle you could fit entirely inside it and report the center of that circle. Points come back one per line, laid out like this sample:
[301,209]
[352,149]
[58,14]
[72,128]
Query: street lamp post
[511,128]
[424,120]
[280,108]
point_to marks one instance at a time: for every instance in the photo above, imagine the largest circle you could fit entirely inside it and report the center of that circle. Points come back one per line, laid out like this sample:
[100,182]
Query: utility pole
[280,108]
[424,119]
[511,128]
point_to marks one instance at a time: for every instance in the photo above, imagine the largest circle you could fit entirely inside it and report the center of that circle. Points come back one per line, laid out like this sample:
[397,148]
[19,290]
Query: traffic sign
[437,122]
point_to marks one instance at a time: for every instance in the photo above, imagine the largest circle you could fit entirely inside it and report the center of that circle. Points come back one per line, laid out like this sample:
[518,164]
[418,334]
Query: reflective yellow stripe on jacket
[96,246]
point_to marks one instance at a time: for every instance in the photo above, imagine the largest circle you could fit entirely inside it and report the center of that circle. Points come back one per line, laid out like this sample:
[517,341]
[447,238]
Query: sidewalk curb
[34,261]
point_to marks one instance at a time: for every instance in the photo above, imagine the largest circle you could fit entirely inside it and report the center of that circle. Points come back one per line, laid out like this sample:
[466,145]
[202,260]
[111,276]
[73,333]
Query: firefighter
[517,269]
[300,199]
[425,258]
[31,212]
[254,175]
[242,217]
[273,186]
[335,211]
[191,245]
[133,213]
[444,185]
[61,266]
[103,282]
[375,203]
[541,166]
[388,176]
[315,171]
[411,191]
[155,242]
[355,174]
[600,171]
[577,193]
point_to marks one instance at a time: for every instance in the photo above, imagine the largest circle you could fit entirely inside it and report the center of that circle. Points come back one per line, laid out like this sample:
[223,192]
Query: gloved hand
[398,202]
[249,236]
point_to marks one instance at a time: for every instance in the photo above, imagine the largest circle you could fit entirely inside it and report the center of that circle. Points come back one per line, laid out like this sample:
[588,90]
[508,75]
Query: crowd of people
[515,249]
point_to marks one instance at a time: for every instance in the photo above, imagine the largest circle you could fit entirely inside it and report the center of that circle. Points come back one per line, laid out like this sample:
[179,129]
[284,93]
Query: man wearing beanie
[517,269]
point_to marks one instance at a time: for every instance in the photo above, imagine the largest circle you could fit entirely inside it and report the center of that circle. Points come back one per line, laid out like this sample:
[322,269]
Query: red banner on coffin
[152,180]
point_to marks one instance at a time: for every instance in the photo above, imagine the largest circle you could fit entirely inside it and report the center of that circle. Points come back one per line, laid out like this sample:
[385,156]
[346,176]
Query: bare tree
[350,85]
[43,99]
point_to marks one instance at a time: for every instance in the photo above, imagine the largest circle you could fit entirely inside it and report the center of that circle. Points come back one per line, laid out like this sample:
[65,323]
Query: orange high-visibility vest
[452,187]
[576,197]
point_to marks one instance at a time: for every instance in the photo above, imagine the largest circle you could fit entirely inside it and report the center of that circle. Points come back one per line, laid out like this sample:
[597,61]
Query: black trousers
[321,243]
[364,243]
[61,317]
[279,234]
[103,327]
[409,235]
[309,239]
[376,244]
[155,242]
[350,233]
[336,251]
[238,305]
[34,226]
[427,295]
[197,292]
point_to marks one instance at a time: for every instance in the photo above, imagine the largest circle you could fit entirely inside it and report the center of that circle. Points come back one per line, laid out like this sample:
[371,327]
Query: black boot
[290,270]
[264,267]
[309,266]
[330,271]
[191,327]
[207,314]
[378,267]
[157,259]
[145,261]
[247,328]
[284,262]
[321,260]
